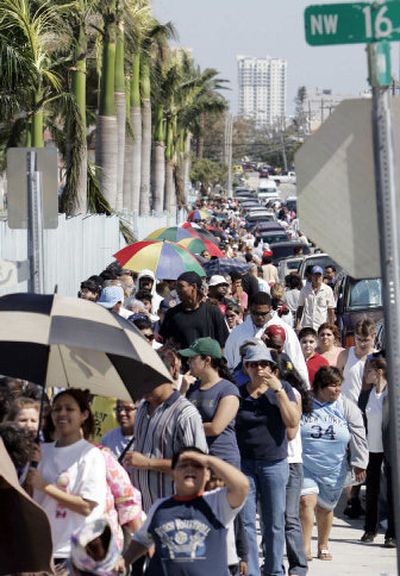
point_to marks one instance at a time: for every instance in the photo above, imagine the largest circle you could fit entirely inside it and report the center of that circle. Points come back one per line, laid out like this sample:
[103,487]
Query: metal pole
[230,133]
[35,225]
[388,218]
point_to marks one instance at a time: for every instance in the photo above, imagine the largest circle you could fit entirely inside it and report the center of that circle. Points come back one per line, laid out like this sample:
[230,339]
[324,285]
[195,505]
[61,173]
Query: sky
[218,30]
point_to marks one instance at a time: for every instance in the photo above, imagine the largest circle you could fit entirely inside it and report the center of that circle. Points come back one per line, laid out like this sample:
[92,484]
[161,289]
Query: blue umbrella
[225,266]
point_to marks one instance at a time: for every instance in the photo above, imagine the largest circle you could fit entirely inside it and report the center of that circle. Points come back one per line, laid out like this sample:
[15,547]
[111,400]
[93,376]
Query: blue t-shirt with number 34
[325,436]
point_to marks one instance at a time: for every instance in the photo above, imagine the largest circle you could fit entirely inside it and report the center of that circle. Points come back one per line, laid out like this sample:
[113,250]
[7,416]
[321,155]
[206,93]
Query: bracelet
[279,390]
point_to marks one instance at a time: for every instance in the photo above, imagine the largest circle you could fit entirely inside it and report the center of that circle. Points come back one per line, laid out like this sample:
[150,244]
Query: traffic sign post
[375,24]
[386,177]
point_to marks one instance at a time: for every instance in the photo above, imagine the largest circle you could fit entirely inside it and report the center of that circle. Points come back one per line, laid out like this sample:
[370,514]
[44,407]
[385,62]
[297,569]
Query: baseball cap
[258,353]
[216,280]
[267,253]
[276,330]
[203,347]
[110,296]
[316,270]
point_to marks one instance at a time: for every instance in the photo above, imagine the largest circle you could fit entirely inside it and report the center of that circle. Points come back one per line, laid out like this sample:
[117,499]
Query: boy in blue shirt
[188,530]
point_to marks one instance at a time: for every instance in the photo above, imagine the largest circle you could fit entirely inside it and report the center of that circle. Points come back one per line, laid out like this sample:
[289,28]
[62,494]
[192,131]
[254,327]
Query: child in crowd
[189,530]
[309,343]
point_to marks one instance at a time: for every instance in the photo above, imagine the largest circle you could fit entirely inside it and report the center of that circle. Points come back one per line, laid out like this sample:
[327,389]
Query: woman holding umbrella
[70,482]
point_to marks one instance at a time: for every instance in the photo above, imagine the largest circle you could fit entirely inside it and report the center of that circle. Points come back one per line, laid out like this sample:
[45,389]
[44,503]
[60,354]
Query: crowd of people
[265,417]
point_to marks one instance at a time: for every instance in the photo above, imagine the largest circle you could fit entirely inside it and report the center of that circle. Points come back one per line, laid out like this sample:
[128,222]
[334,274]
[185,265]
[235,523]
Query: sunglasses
[259,314]
[259,363]
[149,337]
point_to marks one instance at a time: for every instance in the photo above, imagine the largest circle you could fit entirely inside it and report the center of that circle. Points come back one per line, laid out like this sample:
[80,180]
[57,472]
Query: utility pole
[228,151]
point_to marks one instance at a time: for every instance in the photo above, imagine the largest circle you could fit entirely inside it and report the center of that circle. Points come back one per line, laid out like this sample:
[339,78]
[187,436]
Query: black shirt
[185,326]
[260,431]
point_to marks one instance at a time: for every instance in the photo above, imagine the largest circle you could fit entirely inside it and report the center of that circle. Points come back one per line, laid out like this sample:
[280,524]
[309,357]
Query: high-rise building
[262,89]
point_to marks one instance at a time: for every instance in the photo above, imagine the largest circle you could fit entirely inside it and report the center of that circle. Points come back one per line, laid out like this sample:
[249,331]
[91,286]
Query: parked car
[241,192]
[288,265]
[274,236]
[287,249]
[358,299]
[260,227]
[320,259]
[265,216]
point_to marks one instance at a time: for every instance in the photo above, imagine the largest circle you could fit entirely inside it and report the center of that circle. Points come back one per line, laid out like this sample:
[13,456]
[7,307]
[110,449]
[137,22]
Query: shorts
[328,496]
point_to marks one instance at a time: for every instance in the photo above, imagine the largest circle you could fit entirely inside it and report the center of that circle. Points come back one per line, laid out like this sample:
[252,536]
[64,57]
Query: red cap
[267,253]
[276,330]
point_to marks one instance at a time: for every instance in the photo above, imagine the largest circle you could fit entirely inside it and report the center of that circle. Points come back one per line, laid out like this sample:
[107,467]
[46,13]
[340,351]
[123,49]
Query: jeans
[267,483]
[294,534]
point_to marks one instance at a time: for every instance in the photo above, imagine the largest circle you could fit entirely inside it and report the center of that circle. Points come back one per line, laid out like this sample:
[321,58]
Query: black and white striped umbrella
[65,342]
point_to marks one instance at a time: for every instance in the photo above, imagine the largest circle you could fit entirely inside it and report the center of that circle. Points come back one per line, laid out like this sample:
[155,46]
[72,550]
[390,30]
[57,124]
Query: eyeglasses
[127,409]
[259,314]
[259,363]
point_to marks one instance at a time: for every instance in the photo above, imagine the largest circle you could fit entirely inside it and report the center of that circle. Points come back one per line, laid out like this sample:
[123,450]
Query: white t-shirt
[295,447]
[373,412]
[77,469]
[315,305]
[353,372]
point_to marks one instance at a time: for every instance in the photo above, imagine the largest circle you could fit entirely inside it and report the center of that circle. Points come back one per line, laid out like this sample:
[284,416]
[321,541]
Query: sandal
[324,554]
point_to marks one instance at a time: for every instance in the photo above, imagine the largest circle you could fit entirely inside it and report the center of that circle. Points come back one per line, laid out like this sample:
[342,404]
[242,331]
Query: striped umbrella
[72,343]
[197,231]
[200,214]
[167,260]
[198,245]
[171,233]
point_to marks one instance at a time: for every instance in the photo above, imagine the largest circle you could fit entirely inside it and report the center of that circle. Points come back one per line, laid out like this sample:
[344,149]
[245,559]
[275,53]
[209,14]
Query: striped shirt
[174,424]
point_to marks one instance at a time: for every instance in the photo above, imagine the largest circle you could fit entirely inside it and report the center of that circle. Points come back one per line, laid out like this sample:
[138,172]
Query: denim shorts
[328,496]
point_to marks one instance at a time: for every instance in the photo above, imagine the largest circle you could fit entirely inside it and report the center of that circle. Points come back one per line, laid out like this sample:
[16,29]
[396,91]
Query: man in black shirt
[192,318]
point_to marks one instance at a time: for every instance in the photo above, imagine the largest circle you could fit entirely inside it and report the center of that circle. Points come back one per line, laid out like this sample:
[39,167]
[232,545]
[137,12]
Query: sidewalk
[350,556]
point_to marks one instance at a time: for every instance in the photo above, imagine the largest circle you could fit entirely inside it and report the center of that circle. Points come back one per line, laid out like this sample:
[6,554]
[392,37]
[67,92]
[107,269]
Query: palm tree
[30,34]
[106,128]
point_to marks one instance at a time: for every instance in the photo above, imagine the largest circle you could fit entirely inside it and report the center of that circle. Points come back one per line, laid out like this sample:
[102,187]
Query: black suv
[356,300]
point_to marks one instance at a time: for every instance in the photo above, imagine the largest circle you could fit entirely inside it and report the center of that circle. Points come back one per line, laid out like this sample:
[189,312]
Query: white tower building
[262,89]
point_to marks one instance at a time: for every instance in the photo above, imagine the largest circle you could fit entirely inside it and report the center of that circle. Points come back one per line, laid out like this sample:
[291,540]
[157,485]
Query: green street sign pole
[375,24]
[388,208]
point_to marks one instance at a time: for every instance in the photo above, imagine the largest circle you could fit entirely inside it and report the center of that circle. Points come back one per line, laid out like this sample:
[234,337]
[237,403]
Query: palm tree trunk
[37,124]
[169,168]
[128,174]
[120,109]
[78,89]
[146,141]
[200,139]
[107,129]
[136,123]
[169,187]
[158,164]
[187,160]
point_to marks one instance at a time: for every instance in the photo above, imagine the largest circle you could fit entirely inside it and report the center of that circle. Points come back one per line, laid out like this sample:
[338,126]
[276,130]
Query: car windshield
[365,294]
[284,250]
[279,237]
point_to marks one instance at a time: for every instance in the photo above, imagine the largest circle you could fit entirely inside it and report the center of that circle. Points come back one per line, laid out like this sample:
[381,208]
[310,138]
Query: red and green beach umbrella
[167,260]
[171,233]
[199,214]
[198,245]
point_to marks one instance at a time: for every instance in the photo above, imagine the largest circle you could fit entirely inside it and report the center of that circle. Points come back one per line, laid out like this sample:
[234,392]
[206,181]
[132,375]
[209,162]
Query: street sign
[356,23]
[17,186]
[336,187]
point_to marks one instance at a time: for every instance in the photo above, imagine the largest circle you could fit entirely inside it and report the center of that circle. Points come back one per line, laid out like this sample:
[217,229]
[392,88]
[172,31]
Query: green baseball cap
[203,347]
